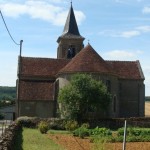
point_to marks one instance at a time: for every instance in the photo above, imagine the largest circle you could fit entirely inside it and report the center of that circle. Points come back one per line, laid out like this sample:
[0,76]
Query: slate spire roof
[71,27]
[71,24]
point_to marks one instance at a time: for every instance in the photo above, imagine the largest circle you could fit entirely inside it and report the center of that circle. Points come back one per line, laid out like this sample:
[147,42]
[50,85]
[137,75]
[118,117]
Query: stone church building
[39,79]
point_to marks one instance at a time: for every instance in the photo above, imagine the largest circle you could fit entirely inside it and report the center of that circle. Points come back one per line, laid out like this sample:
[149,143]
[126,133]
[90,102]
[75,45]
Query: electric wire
[8,29]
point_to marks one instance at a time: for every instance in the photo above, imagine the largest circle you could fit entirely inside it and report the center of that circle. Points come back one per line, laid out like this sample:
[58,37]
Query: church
[40,79]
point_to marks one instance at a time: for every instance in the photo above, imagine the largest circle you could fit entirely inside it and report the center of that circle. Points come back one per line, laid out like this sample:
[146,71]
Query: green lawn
[32,139]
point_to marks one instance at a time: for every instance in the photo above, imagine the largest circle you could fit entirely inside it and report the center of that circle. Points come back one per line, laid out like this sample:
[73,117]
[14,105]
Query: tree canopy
[82,95]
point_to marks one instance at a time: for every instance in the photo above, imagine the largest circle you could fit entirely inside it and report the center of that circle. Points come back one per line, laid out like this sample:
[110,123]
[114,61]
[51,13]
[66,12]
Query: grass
[32,139]
[59,132]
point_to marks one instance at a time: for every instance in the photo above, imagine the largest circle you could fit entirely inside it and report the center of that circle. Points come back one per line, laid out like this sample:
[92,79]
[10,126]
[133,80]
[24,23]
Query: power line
[8,29]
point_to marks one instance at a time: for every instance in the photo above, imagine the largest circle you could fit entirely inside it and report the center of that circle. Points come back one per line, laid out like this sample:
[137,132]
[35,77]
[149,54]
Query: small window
[108,85]
[114,103]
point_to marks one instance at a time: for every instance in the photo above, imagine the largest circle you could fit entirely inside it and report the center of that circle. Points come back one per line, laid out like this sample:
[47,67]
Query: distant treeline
[7,93]
[147,98]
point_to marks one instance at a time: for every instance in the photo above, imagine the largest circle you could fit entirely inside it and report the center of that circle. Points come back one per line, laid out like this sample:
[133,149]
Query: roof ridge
[121,61]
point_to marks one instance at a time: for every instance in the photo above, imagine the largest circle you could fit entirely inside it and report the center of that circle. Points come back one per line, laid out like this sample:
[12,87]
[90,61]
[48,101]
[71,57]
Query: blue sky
[117,30]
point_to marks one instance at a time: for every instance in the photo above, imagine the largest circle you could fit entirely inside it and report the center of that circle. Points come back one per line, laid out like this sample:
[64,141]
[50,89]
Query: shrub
[85,125]
[101,131]
[120,132]
[56,123]
[71,125]
[29,122]
[43,127]
[81,132]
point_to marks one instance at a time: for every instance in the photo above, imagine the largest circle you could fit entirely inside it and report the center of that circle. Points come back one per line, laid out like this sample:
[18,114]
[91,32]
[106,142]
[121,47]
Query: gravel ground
[74,143]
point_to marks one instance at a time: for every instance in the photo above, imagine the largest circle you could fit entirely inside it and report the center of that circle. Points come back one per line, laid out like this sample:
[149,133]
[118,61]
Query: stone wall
[43,109]
[131,98]
[7,141]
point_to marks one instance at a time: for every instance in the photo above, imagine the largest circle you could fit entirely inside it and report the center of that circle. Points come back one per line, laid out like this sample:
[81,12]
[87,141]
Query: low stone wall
[115,123]
[7,141]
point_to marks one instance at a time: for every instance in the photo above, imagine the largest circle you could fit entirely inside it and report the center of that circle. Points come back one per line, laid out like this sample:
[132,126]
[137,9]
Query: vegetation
[100,137]
[43,127]
[71,125]
[7,95]
[83,95]
[147,98]
[31,139]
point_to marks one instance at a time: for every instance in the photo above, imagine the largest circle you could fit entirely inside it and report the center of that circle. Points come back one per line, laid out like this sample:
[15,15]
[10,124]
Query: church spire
[70,42]
[71,26]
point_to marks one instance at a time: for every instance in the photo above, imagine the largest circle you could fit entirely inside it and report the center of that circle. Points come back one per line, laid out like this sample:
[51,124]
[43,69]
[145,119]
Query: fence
[3,125]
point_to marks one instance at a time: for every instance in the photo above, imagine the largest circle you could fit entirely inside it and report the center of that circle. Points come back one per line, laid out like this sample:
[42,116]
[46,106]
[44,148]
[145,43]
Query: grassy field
[32,139]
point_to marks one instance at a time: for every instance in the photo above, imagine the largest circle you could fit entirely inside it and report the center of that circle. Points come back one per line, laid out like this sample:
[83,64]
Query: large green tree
[81,95]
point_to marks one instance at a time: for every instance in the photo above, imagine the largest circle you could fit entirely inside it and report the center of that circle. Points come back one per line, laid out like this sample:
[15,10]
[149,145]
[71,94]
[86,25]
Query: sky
[116,29]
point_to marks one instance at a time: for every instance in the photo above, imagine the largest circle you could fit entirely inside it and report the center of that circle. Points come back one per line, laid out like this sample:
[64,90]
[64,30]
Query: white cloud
[146,10]
[40,10]
[127,34]
[122,54]
[127,1]
[143,28]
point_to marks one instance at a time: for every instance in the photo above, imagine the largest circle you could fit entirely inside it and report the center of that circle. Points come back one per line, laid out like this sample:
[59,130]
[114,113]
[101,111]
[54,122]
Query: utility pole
[125,133]
[19,76]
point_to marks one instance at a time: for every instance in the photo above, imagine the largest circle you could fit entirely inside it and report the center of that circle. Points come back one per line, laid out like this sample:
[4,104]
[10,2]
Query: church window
[71,52]
[114,103]
[108,85]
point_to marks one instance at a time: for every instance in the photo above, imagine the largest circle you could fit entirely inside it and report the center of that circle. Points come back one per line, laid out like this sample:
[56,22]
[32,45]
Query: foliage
[7,93]
[84,131]
[134,134]
[82,95]
[147,98]
[85,125]
[32,122]
[71,125]
[29,122]
[81,132]
[43,127]
[101,131]
[56,123]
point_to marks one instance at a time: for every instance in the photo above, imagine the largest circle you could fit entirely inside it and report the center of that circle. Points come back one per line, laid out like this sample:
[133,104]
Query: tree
[83,94]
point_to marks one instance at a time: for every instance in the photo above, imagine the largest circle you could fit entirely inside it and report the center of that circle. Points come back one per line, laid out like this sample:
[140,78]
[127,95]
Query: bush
[101,131]
[29,122]
[43,127]
[56,123]
[71,125]
[85,125]
[81,132]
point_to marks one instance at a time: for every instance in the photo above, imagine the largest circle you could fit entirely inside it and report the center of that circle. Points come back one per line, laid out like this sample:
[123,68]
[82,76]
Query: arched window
[108,85]
[71,52]
[114,103]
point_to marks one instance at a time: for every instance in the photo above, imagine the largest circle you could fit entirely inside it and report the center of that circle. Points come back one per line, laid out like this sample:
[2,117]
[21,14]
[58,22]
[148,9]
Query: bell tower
[70,42]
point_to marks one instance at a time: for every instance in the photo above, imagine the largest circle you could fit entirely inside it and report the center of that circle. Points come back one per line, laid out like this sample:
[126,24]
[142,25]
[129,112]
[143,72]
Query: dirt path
[74,143]
[70,142]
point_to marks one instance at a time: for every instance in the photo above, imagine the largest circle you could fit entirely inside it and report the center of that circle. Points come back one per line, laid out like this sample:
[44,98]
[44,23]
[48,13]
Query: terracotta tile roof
[87,60]
[30,90]
[45,67]
[127,69]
